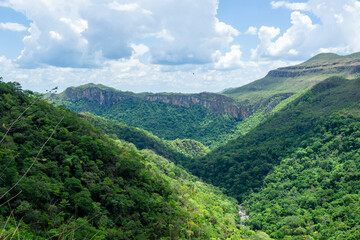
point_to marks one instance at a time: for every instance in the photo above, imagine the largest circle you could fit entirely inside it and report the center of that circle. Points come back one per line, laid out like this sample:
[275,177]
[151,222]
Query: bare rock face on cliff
[215,102]
[103,97]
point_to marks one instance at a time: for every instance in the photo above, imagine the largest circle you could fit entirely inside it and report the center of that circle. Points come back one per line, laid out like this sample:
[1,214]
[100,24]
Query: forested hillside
[180,120]
[315,190]
[310,151]
[62,178]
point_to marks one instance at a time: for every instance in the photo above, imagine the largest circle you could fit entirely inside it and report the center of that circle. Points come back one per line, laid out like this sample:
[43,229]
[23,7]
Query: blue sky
[172,46]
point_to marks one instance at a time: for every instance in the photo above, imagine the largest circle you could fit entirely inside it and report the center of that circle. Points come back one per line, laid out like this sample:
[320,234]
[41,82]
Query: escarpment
[350,66]
[103,97]
[215,102]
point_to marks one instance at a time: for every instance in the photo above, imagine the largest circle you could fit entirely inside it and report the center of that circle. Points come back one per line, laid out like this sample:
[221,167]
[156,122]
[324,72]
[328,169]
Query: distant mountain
[298,78]
[108,97]
[205,117]
[226,89]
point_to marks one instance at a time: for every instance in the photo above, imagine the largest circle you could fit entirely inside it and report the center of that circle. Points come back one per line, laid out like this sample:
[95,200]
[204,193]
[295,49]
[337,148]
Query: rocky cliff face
[215,102]
[103,97]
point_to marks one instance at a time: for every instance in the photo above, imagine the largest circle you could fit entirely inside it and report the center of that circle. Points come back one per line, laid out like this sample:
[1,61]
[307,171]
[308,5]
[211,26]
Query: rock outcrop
[103,97]
[215,102]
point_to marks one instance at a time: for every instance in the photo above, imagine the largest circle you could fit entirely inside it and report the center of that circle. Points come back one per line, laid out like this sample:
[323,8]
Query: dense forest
[179,150]
[63,178]
[314,191]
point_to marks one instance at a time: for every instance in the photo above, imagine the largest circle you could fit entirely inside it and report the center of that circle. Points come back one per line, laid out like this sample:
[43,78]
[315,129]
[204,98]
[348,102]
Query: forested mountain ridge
[108,97]
[314,191]
[184,119]
[62,178]
[278,135]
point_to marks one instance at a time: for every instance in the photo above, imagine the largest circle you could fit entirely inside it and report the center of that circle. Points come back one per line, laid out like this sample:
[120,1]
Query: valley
[124,165]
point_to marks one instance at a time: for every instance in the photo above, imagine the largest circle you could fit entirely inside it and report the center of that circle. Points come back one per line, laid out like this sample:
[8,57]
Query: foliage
[207,208]
[315,191]
[296,173]
[190,148]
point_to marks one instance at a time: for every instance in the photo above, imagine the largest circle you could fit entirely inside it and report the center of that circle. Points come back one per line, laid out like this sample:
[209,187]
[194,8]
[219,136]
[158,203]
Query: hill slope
[315,190]
[244,162]
[296,165]
[176,150]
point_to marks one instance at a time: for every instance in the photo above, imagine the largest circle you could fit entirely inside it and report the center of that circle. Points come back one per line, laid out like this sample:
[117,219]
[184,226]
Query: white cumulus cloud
[291,6]
[87,33]
[230,60]
[139,49]
[266,35]
[55,35]
[133,75]
[337,30]
[123,7]
[16,27]
[193,32]
[252,30]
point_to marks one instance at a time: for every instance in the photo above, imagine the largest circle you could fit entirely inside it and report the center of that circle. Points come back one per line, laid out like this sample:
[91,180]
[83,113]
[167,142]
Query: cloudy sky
[167,45]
